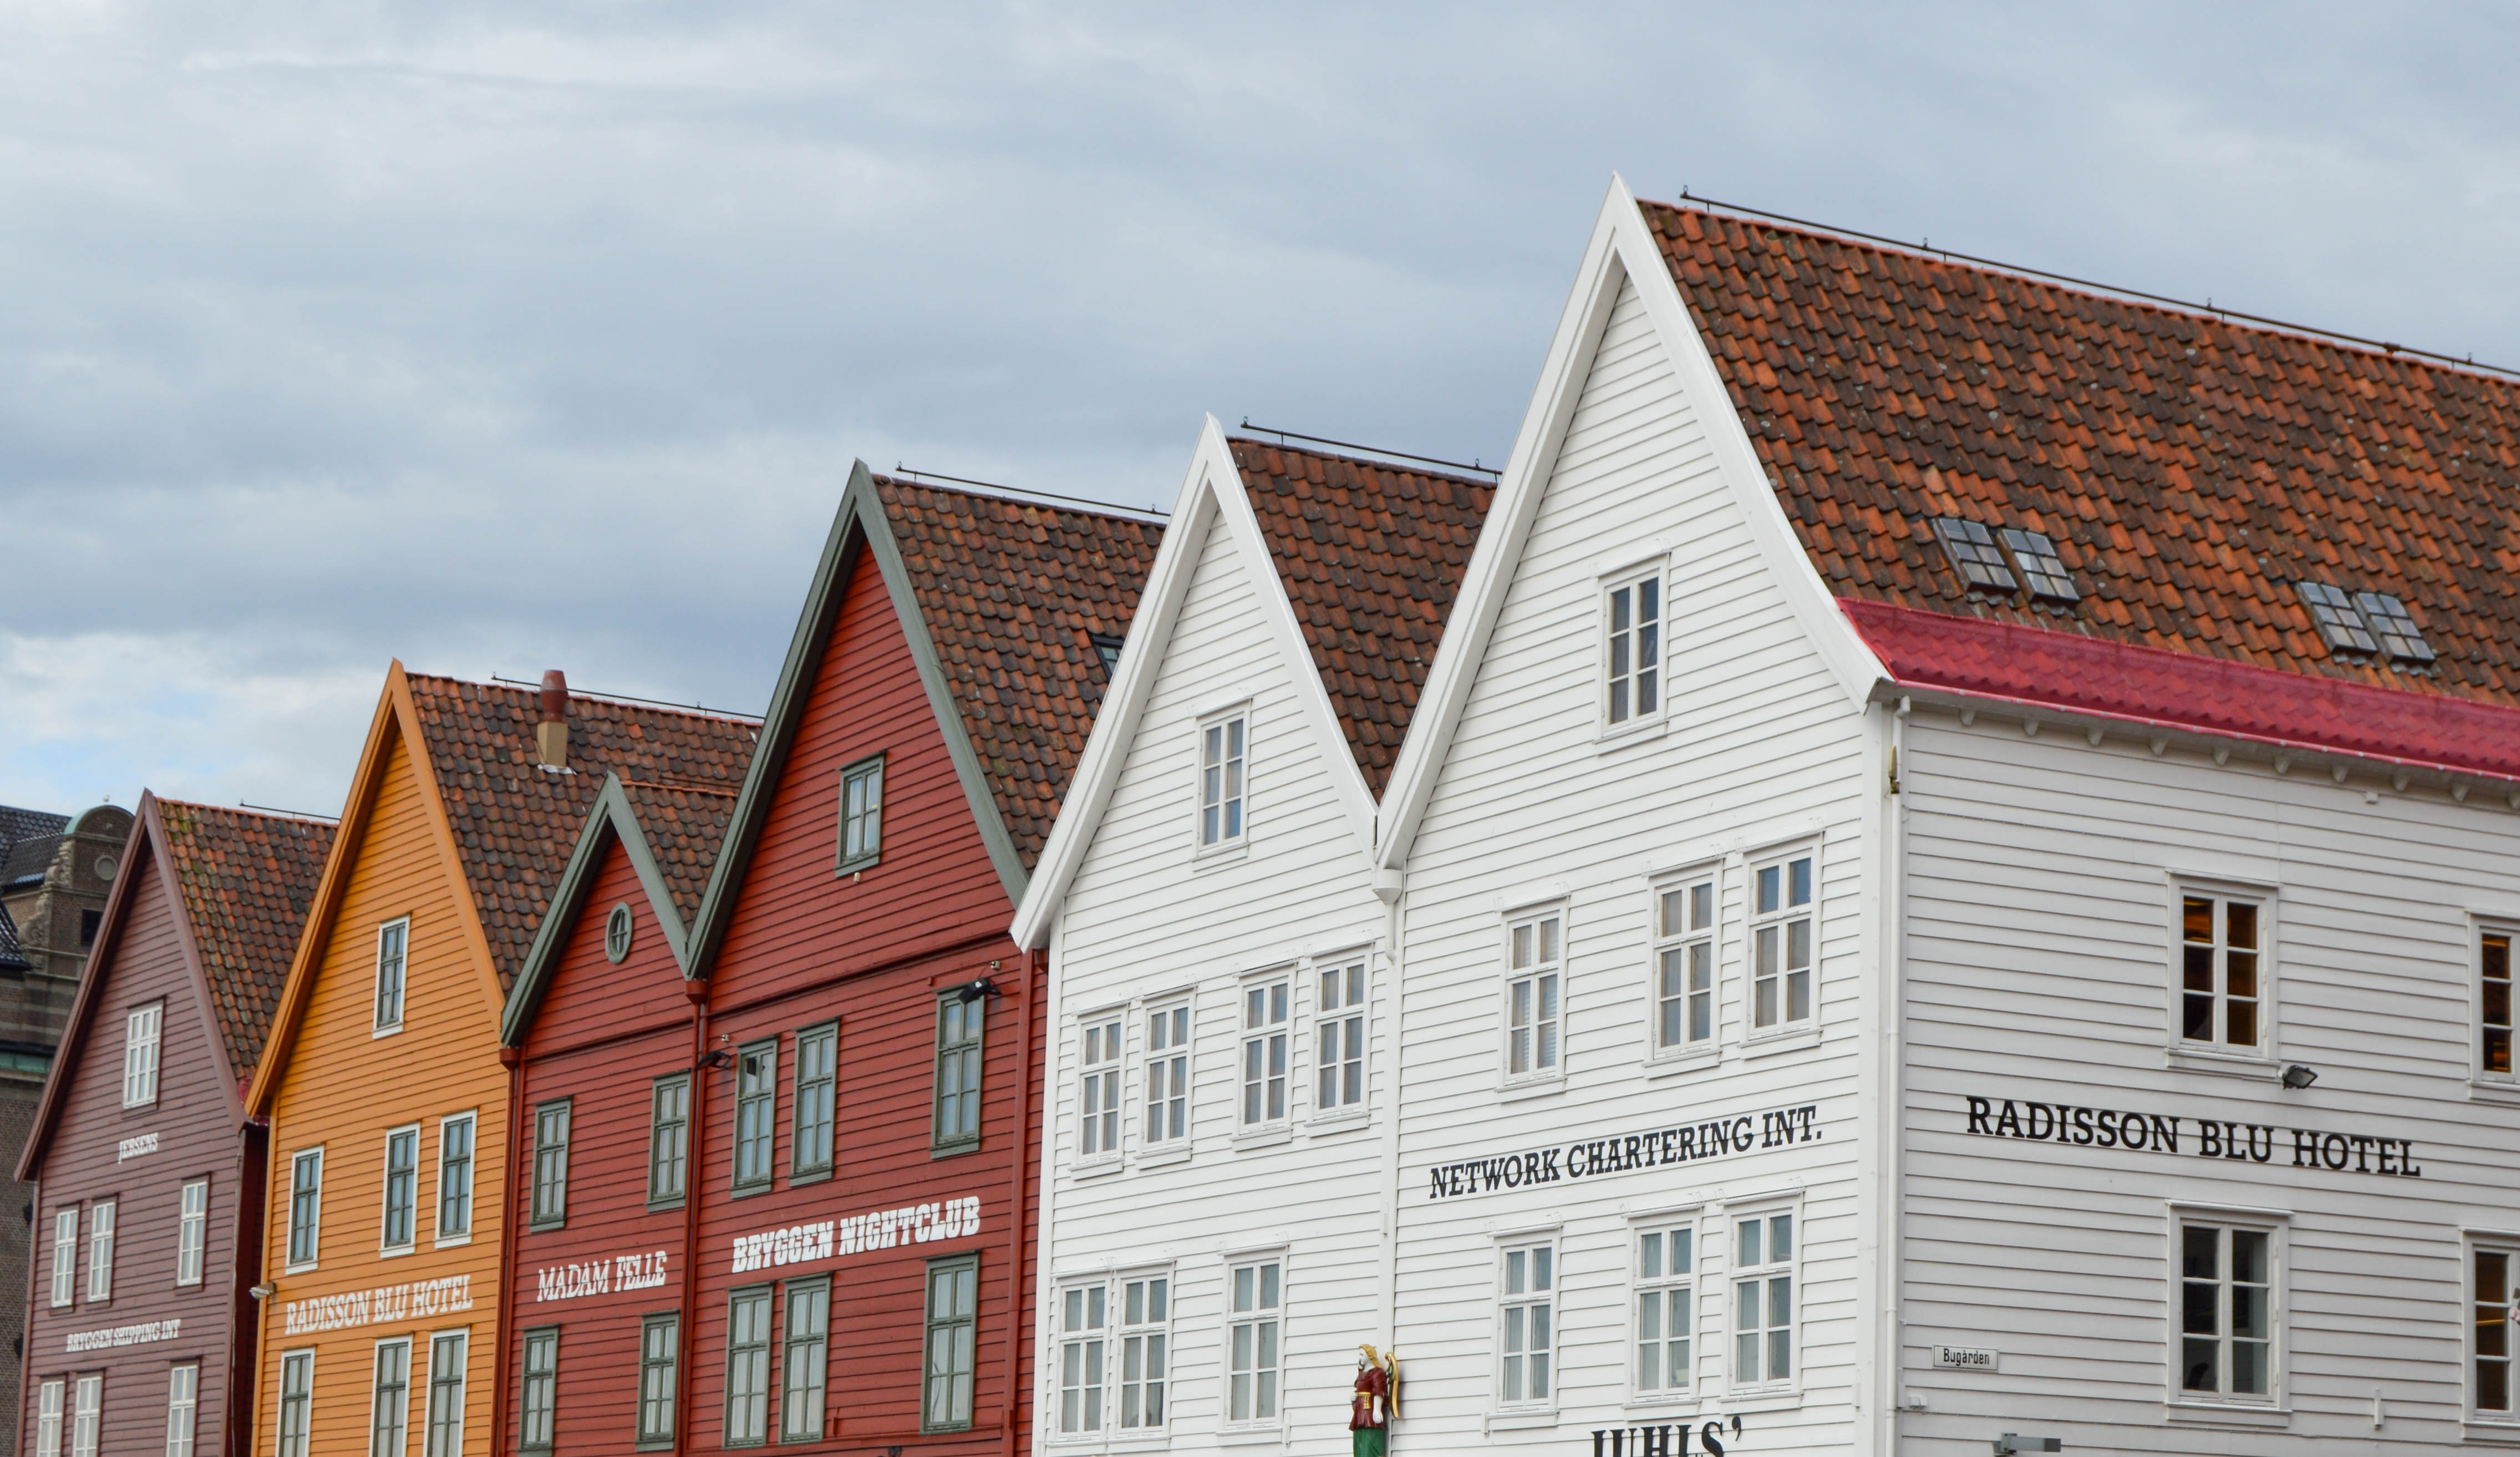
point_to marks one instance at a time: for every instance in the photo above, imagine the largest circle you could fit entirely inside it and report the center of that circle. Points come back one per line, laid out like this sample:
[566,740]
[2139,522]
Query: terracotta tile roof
[246,879]
[1013,594]
[2189,470]
[1372,554]
[684,827]
[516,822]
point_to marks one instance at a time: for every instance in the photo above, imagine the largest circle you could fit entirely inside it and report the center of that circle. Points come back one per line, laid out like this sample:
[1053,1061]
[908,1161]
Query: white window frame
[1735,1271]
[385,1245]
[1102,1061]
[380,1028]
[1670,976]
[453,1447]
[143,1030]
[289,1264]
[183,1407]
[1164,1076]
[2480,929]
[1081,1361]
[2473,1243]
[1145,1345]
[65,1255]
[1545,1056]
[2261,1059]
[192,1231]
[1268,1323]
[399,1444]
[1527,1264]
[1230,795]
[99,1250]
[1341,1029]
[442,1237]
[1264,1053]
[2276,1225]
[87,1412]
[1780,859]
[1647,641]
[50,1405]
[1656,1284]
[285,1442]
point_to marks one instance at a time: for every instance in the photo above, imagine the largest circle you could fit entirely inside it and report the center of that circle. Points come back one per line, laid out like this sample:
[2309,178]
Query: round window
[616,932]
[106,866]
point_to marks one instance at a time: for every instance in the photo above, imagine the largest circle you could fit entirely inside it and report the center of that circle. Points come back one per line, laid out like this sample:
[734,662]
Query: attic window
[1107,650]
[2037,557]
[2337,619]
[2398,635]
[1971,548]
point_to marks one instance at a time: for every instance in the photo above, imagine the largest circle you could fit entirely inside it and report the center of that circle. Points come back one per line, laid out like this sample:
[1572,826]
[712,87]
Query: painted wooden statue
[1376,1404]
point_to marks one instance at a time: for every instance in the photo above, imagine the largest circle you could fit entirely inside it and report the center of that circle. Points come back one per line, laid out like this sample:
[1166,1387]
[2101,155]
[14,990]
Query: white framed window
[1534,1001]
[861,815]
[48,1419]
[1083,1352]
[1114,1360]
[87,1414]
[1526,1324]
[806,1358]
[1098,1087]
[65,1255]
[1339,1036]
[1784,941]
[2225,973]
[394,950]
[2492,1298]
[1255,1328]
[1665,1282]
[1167,1124]
[305,1206]
[192,1231]
[296,1402]
[455,1135]
[448,1352]
[1266,1015]
[1684,965]
[1146,1339]
[400,1222]
[2227,1306]
[2493,1004]
[390,1399]
[183,1405]
[1223,769]
[1767,1299]
[1632,650]
[99,1250]
[140,1032]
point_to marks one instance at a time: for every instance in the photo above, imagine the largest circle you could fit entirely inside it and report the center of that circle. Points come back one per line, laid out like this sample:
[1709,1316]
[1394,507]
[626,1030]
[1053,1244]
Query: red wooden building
[843,1054]
[140,1329]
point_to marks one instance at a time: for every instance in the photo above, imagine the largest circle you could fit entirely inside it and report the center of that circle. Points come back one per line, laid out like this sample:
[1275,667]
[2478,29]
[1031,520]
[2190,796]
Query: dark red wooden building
[844,1052]
[147,1217]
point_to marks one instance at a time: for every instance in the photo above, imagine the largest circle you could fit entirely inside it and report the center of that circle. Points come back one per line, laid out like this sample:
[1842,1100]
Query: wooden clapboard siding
[2040,875]
[1762,747]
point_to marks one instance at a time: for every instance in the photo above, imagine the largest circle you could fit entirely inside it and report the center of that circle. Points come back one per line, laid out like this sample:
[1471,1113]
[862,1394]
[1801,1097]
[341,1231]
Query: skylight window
[2037,557]
[2396,631]
[1106,650]
[1971,548]
[2338,620]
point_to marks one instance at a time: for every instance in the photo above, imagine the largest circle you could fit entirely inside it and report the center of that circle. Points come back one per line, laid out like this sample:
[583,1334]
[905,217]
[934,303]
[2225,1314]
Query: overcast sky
[506,337]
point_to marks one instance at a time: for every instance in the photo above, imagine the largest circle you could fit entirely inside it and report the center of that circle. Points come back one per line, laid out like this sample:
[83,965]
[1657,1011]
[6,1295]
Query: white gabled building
[1952,877]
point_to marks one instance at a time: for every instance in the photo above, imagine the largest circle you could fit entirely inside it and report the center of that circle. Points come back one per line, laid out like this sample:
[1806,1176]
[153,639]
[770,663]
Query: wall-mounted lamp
[263,1292]
[971,991]
[2009,1442]
[717,1057]
[2298,1077]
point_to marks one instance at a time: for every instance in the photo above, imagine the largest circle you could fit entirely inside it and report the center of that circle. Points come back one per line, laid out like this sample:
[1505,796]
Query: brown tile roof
[516,822]
[2189,468]
[1013,594]
[1372,554]
[246,879]
[684,827]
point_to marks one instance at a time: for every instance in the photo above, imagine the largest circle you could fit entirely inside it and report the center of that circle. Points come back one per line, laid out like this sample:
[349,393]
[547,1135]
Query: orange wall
[343,1088]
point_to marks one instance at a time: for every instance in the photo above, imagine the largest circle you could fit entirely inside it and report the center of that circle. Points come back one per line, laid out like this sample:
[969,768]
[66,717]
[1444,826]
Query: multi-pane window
[1526,1324]
[1532,1002]
[2395,627]
[1972,551]
[757,1107]
[2365,623]
[1112,1340]
[957,1117]
[1220,781]
[100,1251]
[1781,940]
[2226,1311]
[402,1187]
[305,1205]
[1684,966]
[1097,1089]
[65,1255]
[2221,978]
[669,1131]
[140,1053]
[1666,1270]
[389,1398]
[818,1066]
[659,1372]
[539,1406]
[393,940]
[747,1367]
[953,1310]
[1167,1075]
[1632,650]
[48,1419]
[297,1396]
[1264,1052]
[192,1232]
[1763,1299]
[87,1414]
[2332,612]
[861,814]
[2493,1004]
[447,1352]
[1145,1325]
[806,1359]
[183,1407]
[1084,1344]
[1339,1039]
[550,1206]
[455,1175]
[2491,1295]
[1254,1360]
[2040,567]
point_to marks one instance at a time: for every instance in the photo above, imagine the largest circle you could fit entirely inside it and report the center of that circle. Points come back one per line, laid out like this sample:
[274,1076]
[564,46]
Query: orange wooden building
[387,1102]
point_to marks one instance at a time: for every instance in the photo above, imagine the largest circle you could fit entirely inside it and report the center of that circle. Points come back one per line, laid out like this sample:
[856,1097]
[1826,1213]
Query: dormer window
[1972,550]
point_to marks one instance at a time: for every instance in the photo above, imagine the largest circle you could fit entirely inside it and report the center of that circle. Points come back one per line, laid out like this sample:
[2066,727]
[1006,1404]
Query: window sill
[809,1176]
[1220,854]
[308,1268]
[392,1031]
[2222,1063]
[1611,741]
[1665,1407]
[1755,1400]
[1345,1120]
[1263,1138]
[2499,1433]
[1520,1421]
[1777,1042]
[2228,1414]
[1102,1168]
[546,1226]
[450,1242]
[664,1206]
[1672,1065]
[1534,1087]
[398,1252]
[954,1150]
[858,866]
[1166,1156]
[2493,1090]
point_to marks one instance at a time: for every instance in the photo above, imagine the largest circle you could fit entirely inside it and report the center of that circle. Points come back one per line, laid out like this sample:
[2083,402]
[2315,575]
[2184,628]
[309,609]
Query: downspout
[512,1059]
[1017,1400]
[1894,1073]
[686,1329]
[1391,886]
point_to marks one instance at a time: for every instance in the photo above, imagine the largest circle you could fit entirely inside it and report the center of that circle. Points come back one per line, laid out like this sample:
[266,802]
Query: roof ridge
[1017,495]
[1393,460]
[631,706]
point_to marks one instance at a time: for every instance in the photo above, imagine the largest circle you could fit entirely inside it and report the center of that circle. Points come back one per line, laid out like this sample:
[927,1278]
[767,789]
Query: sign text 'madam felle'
[1592,1157]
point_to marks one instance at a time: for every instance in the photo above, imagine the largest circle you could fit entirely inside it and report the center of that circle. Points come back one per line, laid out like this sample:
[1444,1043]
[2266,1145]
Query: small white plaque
[1968,1358]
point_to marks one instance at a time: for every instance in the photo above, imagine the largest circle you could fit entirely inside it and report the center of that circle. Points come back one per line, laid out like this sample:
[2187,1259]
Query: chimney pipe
[550,736]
